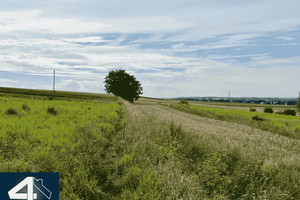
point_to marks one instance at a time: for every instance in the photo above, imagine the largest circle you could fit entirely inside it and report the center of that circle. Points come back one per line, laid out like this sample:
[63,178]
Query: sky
[173,47]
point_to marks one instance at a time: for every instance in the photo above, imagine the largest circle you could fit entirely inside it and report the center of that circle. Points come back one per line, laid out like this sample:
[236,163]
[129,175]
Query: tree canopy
[123,85]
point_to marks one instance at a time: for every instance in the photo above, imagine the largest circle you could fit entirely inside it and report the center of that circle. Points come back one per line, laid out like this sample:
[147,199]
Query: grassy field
[105,148]
[50,95]
[277,123]
[279,120]
[69,137]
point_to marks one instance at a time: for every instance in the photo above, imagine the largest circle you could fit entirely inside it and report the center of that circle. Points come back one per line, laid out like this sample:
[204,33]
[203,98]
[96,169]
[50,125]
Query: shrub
[184,102]
[279,112]
[268,110]
[11,111]
[289,112]
[212,173]
[25,107]
[252,110]
[258,118]
[51,110]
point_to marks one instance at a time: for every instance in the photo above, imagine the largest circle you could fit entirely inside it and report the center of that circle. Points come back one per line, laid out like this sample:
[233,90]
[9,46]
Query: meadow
[69,137]
[107,148]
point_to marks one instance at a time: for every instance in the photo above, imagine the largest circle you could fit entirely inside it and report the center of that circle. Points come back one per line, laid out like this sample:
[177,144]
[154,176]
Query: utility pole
[54,80]
[228,98]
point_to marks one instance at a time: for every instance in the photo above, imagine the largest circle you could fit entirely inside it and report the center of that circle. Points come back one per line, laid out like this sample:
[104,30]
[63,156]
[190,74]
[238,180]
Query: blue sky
[185,47]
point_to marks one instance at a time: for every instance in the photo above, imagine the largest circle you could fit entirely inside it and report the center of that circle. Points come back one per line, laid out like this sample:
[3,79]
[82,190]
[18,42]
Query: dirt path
[251,142]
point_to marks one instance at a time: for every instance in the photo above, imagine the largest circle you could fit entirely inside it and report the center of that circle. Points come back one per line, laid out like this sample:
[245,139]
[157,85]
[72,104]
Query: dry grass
[248,163]
[227,135]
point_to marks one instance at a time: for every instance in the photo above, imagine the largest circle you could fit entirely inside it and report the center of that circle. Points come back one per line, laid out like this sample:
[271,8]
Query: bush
[289,112]
[51,110]
[25,107]
[279,112]
[184,102]
[252,110]
[212,173]
[11,111]
[258,118]
[268,110]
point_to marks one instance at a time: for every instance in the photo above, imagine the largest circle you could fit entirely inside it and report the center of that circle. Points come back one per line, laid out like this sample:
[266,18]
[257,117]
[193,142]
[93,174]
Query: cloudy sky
[173,47]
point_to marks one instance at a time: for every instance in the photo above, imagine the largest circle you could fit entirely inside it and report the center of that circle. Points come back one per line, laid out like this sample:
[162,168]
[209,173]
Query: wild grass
[74,140]
[126,151]
[190,157]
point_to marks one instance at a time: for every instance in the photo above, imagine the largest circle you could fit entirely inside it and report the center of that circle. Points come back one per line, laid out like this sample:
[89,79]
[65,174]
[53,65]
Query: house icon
[34,187]
[38,183]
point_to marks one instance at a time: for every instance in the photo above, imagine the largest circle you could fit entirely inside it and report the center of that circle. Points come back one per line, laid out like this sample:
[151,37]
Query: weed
[252,110]
[212,173]
[175,132]
[258,118]
[51,110]
[11,111]
[25,107]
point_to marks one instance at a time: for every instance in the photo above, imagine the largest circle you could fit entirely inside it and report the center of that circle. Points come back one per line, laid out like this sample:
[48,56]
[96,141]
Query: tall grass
[125,151]
[186,163]
[78,143]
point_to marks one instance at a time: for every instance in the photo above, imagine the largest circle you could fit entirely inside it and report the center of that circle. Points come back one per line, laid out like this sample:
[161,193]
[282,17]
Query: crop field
[107,148]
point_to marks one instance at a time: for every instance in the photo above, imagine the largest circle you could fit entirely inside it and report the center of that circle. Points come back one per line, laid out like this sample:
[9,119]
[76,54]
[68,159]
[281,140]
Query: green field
[106,148]
[277,123]
[70,141]
[278,120]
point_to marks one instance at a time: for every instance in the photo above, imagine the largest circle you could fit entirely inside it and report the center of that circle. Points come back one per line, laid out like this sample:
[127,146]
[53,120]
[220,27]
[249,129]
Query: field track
[221,135]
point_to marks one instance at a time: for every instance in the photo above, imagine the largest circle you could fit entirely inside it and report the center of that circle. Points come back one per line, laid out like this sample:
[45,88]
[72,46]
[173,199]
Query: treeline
[253,100]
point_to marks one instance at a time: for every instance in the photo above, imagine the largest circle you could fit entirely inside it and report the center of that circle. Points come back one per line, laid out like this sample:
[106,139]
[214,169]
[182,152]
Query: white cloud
[35,41]
[286,38]
[4,82]
[32,21]
[95,39]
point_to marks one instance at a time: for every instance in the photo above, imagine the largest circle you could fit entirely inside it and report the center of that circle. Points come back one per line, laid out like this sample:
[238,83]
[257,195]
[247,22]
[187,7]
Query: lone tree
[123,85]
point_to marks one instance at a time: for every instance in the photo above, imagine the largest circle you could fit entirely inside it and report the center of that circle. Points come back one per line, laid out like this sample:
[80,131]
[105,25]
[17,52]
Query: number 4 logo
[31,184]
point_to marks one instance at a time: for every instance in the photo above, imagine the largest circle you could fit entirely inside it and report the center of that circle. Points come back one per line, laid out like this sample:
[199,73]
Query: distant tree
[123,85]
